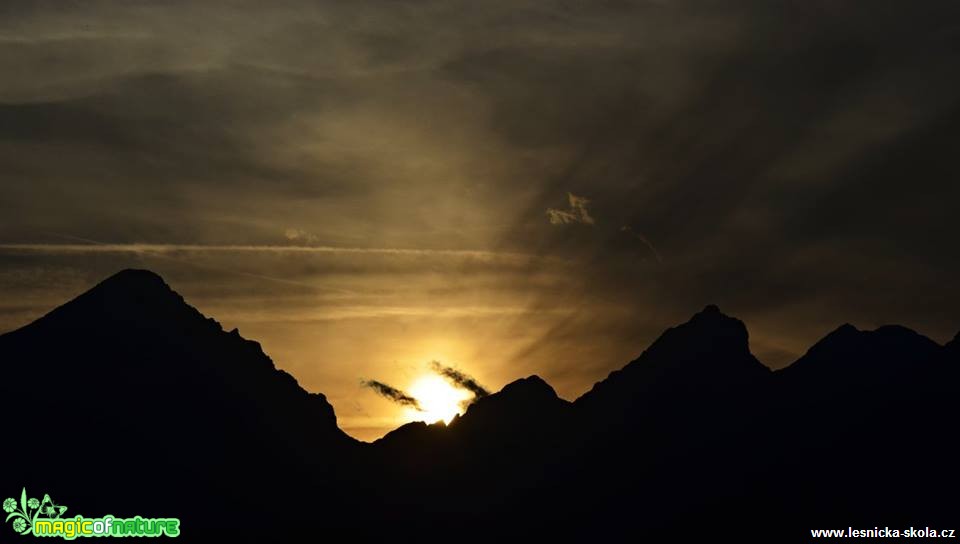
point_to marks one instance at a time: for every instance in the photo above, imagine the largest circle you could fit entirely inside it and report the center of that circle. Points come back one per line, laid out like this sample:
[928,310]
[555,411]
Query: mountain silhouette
[707,358]
[848,357]
[694,437]
[953,347]
[142,384]
[865,413]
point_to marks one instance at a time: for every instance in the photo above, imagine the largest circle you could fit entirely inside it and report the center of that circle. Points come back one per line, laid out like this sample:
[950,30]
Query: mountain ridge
[695,427]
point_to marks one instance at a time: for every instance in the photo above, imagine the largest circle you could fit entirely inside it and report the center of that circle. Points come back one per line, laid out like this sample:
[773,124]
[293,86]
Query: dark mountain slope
[953,347]
[708,357]
[196,421]
[863,360]
[863,415]
[495,462]
[684,422]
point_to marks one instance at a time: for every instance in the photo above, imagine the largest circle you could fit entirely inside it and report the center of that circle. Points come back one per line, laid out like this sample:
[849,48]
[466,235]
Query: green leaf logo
[29,510]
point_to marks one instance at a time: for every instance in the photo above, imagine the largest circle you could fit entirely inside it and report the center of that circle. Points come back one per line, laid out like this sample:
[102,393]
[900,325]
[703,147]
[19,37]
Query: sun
[438,399]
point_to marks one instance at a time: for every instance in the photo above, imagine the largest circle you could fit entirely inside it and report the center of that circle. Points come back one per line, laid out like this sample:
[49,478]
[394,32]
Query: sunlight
[438,399]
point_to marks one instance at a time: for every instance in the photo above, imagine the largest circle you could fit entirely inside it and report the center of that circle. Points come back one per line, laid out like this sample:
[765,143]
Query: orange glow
[438,399]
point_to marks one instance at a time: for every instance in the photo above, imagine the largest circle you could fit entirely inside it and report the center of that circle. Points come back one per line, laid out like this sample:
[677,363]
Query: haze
[507,187]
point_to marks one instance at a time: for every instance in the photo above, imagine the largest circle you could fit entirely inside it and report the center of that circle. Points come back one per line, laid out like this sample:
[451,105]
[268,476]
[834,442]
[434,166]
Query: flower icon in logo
[25,512]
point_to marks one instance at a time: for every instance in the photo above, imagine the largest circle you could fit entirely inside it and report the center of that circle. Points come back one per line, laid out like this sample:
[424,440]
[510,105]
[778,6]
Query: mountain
[706,357]
[953,347]
[521,409]
[494,461]
[680,423]
[861,407]
[694,437]
[696,384]
[850,358]
[128,379]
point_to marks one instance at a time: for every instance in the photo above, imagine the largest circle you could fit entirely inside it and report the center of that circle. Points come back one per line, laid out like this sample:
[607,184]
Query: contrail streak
[95,246]
[105,247]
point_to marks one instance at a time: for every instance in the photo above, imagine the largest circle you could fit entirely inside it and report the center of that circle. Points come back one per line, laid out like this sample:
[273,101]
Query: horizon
[464,399]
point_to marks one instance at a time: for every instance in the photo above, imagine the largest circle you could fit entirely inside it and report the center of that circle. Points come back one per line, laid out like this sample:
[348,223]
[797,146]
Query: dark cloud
[460,379]
[392,394]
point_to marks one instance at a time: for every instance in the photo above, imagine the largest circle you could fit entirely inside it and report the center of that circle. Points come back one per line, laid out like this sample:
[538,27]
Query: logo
[45,518]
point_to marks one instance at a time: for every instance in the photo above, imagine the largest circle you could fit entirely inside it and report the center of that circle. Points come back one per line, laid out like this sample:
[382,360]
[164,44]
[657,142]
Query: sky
[508,187]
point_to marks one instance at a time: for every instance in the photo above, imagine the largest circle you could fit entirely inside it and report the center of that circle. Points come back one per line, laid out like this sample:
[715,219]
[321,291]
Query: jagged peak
[710,350]
[137,307]
[529,387]
[850,346]
[711,315]
[845,329]
[847,334]
[415,431]
[710,310]
[528,397]
[708,332]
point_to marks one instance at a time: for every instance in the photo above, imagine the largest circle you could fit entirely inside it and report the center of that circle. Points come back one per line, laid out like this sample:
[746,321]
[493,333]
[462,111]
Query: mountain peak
[863,354]
[132,327]
[520,402]
[530,387]
[844,330]
[135,284]
[709,354]
[709,333]
[847,337]
[138,277]
[413,432]
[129,299]
[710,309]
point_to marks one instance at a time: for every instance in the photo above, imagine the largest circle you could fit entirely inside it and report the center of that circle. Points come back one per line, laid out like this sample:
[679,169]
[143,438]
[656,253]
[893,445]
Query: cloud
[743,136]
[643,239]
[577,213]
[560,217]
[299,235]
[460,379]
[101,247]
[392,394]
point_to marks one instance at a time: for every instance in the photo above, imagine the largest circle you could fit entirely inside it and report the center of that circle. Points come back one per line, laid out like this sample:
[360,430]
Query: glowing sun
[437,398]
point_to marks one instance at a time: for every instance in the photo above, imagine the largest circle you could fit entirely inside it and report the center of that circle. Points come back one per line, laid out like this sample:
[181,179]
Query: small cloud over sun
[437,398]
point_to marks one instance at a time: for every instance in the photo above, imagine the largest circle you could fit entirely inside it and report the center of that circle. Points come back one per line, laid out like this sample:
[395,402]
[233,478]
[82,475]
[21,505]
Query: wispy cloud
[643,239]
[576,213]
[301,236]
[392,393]
[460,379]
[200,248]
